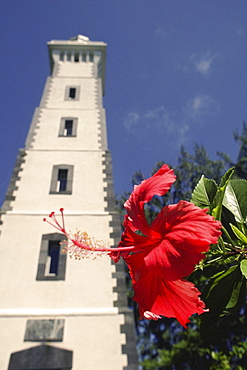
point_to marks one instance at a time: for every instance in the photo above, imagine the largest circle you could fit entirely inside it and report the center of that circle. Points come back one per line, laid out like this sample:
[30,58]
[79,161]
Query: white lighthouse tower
[55,312]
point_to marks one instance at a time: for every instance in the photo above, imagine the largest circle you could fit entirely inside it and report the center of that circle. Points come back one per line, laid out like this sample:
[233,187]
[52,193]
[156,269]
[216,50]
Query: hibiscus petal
[172,262]
[178,299]
[158,184]
[131,238]
[187,233]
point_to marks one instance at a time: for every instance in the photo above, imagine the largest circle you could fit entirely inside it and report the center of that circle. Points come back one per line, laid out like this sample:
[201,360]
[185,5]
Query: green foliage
[191,167]
[217,339]
[235,199]
[210,341]
[188,351]
[225,291]
[204,189]
[221,294]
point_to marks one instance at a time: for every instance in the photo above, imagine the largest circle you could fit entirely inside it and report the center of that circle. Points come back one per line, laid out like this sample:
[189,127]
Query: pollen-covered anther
[79,245]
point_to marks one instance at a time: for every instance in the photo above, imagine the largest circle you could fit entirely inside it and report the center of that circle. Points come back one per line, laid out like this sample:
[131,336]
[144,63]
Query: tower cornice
[79,44]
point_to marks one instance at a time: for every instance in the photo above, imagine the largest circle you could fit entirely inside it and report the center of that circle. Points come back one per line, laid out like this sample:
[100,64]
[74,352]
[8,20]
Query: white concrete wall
[88,130]
[35,179]
[85,299]
[87,93]
[92,338]
[88,282]
[72,69]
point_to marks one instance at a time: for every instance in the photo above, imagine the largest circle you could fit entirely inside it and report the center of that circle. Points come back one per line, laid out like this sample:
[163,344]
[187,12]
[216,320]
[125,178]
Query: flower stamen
[80,245]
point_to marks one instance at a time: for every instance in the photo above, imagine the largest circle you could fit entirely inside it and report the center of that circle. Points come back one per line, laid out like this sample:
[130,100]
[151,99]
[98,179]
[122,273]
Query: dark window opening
[53,257]
[68,127]
[52,260]
[76,57]
[72,92]
[62,180]
[91,57]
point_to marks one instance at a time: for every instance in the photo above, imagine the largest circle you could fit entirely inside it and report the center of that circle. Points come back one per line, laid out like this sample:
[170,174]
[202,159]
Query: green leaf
[226,177]
[239,234]
[235,199]
[218,200]
[234,297]
[243,268]
[216,279]
[223,290]
[204,193]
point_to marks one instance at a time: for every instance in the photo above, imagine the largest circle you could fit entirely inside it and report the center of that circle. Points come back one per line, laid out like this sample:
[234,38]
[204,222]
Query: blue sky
[176,74]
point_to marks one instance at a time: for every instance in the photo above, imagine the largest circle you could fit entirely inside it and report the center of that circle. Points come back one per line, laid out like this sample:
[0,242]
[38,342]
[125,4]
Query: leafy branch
[225,292]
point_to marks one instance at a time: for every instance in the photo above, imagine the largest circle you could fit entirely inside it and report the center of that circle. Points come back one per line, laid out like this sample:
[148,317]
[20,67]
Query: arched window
[43,357]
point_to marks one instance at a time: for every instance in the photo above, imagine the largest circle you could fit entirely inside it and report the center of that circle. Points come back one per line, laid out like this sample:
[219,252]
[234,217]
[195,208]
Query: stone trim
[99,93]
[14,178]
[33,128]
[102,137]
[46,92]
[109,198]
[44,330]
[128,328]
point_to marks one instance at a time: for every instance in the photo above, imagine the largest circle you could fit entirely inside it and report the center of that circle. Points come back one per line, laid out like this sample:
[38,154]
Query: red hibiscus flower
[166,251]
[158,255]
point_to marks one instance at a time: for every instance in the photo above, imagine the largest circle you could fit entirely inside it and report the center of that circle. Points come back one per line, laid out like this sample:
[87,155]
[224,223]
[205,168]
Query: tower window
[91,57]
[52,261]
[68,127]
[72,93]
[76,57]
[61,56]
[61,180]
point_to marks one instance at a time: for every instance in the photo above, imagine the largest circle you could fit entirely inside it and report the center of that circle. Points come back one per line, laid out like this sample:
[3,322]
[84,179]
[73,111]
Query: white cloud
[174,127]
[159,120]
[131,120]
[203,63]
[200,106]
